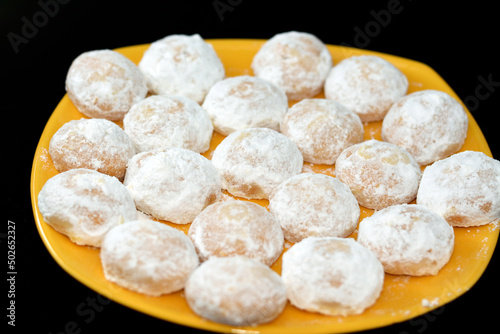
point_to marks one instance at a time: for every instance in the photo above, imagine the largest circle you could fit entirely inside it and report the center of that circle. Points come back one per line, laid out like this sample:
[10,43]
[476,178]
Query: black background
[459,41]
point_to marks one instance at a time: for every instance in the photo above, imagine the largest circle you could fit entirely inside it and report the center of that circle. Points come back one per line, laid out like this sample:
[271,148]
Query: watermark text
[32,24]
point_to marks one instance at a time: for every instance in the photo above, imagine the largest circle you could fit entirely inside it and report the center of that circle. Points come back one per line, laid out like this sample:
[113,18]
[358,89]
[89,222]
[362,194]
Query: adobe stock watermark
[87,312]
[32,24]
[483,91]
[223,6]
[421,324]
[381,19]
[11,272]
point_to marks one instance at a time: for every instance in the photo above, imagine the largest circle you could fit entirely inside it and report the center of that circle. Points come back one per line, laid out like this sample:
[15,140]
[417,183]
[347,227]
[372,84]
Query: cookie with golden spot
[379,174]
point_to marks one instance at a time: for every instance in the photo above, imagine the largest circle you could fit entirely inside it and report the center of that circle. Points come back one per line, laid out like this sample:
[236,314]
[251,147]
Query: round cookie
[322,129]
[148,257]
[244,102]
[252,162]
[429,124]
[297,62]
[105,84]
[237,228]
[379,174]
[314,205]
[329,275]
[367,85]
[181,65]
[172,184]
[237,291]
[162,121]
[408,239]
[96,144]
[463,188]
[85,204]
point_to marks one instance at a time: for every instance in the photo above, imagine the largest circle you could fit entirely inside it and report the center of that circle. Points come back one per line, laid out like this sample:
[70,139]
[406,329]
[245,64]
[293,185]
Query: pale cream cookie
[429,124]
[173,184]
[182,65]
[297,62]
[148,257]
[105,84]
[463,188]
[162,121]
[85,204]
[96,144]
[243,102]
[332,276]
[408,239]
[237,228]
[322,129]
[367,85]
[237,291]
[314,205]
[252,162]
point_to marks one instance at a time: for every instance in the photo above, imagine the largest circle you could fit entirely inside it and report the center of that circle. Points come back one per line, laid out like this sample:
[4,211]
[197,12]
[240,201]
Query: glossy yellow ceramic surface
[402,298]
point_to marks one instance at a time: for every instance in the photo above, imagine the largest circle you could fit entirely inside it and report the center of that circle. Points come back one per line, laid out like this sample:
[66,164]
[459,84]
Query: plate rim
[210,325]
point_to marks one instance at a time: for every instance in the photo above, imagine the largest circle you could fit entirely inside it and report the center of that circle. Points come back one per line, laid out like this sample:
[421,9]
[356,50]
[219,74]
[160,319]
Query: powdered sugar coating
[332,276]
[252,162]
[172,184]
[243,102]
[408,239]
[429,124]
[379,174]
[463,188]
[148,257]
[237,291]
[367,85]
[314,205]
[297,62]
[237,228]
[161,121]
[322,129]
[96,144]
[85,204]
[105,84]
[181,65]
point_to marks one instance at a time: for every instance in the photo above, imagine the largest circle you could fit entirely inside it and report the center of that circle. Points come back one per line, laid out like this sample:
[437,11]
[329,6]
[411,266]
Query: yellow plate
[402,298]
